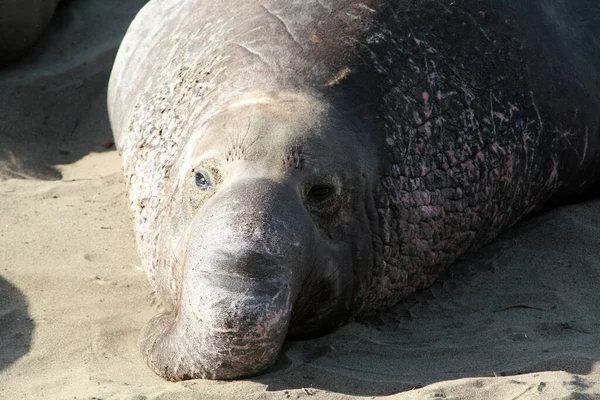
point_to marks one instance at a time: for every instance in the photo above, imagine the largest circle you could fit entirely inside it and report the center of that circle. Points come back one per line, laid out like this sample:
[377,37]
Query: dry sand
[520,319]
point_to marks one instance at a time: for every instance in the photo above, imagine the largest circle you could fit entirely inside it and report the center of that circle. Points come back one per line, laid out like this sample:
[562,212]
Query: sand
[520,319]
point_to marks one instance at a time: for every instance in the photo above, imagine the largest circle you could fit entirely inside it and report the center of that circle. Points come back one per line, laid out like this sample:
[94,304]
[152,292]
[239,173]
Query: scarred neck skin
[479,132]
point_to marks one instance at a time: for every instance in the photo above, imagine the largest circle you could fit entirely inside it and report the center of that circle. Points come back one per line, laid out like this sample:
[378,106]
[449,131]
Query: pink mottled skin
[293,163]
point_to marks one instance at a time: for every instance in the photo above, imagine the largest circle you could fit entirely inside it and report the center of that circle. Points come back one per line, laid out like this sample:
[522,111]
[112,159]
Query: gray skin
[22,22]
[291,164]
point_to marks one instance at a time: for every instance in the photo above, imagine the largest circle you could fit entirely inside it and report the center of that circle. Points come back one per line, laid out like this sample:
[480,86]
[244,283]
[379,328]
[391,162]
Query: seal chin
[232,336]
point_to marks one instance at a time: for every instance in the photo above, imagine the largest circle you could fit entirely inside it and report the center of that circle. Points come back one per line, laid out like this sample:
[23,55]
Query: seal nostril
[320,193]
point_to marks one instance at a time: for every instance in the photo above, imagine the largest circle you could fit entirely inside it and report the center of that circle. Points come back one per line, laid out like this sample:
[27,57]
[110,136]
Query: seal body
[293,163]
[21,25]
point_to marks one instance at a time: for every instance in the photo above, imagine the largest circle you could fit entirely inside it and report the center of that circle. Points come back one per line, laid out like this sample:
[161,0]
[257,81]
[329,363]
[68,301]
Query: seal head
[266,236]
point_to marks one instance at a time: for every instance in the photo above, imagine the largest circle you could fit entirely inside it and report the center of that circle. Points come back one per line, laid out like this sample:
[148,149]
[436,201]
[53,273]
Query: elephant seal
[21,24]
[292,163]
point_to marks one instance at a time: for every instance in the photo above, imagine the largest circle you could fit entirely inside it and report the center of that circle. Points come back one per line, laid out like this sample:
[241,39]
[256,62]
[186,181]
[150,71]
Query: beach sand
[520,319]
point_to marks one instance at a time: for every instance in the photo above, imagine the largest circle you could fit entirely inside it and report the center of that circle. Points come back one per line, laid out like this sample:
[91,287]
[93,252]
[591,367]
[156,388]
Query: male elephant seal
[21,24]
[292,163]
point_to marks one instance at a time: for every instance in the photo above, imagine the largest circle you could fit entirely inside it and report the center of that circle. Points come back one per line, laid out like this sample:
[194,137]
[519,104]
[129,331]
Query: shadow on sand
[53,101]
[16,327]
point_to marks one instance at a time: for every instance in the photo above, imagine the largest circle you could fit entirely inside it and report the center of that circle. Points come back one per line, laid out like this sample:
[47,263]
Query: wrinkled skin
[21,24]
[294,163]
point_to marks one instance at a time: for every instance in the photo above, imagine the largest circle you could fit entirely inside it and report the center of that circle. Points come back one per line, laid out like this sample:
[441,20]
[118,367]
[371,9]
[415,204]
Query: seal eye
[202,181]
[320,193]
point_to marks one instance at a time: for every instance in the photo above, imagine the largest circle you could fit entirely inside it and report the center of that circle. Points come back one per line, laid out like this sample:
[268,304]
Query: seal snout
[245,260]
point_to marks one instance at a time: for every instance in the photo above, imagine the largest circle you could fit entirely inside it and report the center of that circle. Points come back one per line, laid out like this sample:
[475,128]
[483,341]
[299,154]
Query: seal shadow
[526,303]
[16,326]
[53,100]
